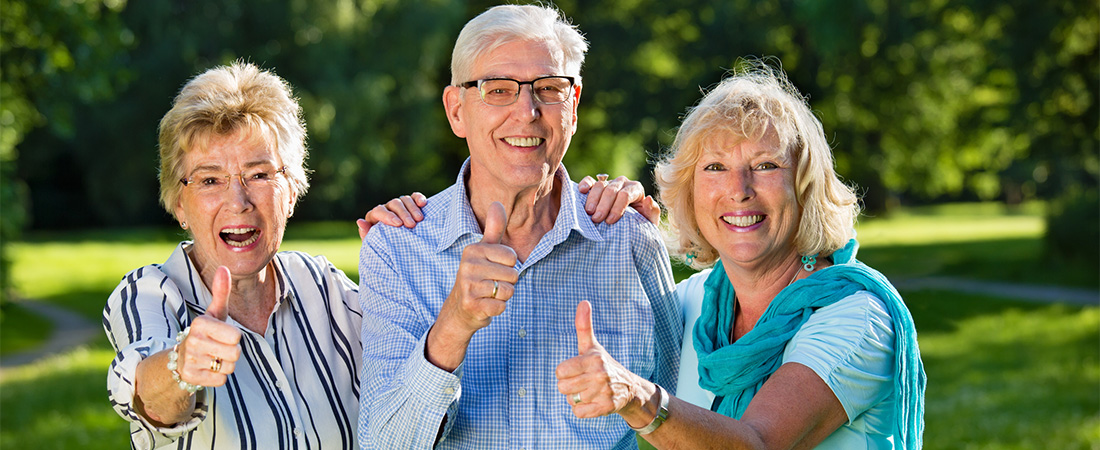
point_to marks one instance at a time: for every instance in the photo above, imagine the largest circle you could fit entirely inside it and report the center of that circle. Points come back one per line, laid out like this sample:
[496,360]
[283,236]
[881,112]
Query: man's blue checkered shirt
[504,394]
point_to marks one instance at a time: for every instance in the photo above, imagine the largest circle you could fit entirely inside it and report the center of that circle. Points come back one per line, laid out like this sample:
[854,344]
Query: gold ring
[577,398]
[215,364]
[601,177]
[495,286]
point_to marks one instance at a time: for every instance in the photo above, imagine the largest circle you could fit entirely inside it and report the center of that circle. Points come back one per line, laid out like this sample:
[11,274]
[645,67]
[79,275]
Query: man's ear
[452,105]
[576,103]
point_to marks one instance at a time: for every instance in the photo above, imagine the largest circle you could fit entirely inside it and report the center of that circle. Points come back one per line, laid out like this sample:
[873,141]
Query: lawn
[1002,374]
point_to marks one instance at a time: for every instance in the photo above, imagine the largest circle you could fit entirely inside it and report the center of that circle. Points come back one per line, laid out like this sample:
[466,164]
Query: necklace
[737,305]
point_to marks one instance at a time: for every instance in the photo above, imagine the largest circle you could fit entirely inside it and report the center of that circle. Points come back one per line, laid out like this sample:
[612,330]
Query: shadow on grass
[21,329]
[88,303]
[1003,374]
[1011,260]
[61,403]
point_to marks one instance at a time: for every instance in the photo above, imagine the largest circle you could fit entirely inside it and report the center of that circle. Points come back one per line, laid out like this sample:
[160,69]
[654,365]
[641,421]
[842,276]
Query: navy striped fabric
[296,386]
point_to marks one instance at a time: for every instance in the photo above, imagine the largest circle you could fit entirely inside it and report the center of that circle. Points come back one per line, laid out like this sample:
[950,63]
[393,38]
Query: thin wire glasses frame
[220,183]
[549,90]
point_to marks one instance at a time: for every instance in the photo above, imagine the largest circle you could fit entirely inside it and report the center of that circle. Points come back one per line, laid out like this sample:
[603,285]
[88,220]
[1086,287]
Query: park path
[1015,291]
[72,330]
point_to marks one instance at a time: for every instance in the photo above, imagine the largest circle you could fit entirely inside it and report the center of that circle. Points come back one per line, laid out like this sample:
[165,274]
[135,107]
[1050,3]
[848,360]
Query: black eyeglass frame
[478,83]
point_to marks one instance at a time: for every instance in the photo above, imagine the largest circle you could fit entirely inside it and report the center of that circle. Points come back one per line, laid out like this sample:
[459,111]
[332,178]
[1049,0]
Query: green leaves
[921,101]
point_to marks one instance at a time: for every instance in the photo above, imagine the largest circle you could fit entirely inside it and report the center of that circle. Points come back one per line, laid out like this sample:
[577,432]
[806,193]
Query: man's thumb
[495,223]
[219,305]
[586,338]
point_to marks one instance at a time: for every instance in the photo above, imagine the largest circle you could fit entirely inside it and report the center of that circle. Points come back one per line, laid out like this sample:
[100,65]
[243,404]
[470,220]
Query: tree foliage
[922,100]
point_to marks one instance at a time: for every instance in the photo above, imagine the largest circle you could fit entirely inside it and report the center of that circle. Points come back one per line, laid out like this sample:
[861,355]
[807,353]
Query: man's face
[517,146]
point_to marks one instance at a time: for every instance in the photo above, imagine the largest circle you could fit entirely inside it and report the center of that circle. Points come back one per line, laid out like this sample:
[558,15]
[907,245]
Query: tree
[55,56]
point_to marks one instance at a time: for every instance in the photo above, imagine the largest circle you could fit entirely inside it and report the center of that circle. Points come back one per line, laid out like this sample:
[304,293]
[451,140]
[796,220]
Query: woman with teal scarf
[791,342]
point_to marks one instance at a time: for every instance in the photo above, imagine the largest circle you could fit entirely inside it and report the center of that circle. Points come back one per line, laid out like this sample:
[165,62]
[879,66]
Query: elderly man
[467,315]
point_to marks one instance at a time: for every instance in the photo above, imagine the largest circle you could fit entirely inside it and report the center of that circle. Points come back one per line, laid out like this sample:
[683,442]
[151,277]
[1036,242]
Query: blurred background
[970,126]
[923,101]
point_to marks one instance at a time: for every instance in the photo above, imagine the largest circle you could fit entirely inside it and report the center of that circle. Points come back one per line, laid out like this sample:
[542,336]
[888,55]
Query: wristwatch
[662,413]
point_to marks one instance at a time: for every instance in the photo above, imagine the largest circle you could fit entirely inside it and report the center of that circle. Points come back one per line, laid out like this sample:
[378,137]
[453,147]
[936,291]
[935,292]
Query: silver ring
[577,398]
[495,286]
[215,364]
[601,177]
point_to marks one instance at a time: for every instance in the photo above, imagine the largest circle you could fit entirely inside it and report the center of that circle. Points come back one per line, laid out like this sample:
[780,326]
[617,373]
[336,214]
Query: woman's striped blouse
[295,386]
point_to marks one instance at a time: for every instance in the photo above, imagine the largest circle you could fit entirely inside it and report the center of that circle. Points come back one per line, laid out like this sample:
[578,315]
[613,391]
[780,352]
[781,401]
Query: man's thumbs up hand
[485,281]
[586,338]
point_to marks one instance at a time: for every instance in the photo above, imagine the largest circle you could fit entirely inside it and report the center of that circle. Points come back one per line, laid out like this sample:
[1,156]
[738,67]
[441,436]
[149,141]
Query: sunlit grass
[955,225]
[61,403]
[1008,375]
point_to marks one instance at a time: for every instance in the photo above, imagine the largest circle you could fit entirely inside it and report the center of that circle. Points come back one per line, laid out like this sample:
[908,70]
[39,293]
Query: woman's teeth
[240,237]
[742,221]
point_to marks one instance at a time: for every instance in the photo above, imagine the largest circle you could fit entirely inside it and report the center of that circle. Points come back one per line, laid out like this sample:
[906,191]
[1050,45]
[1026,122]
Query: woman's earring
[808,262]
[183,225]
[689,258]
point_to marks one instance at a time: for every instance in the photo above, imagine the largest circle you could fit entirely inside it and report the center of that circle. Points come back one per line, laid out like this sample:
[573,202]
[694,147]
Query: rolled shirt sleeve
[142,317]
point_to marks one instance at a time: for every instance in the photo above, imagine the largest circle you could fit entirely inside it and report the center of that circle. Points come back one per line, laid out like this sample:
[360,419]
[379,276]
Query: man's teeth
[742,221]
[523,142]
[241,231]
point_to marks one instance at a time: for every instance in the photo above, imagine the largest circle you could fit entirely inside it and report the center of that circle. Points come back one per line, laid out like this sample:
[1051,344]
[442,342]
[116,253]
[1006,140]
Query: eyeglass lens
[548,90]
[215,181]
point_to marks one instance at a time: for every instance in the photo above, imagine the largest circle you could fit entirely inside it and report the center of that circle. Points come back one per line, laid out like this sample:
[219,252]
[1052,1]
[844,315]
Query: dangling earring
[808,262]
[689,258]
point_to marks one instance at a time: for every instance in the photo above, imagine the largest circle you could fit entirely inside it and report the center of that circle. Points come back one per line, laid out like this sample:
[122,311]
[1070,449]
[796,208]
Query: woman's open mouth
[240,237]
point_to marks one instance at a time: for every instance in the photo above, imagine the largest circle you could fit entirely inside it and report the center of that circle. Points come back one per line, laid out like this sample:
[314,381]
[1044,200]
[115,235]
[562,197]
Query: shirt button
[522,333]
[449,391]
[522,392]
[298,432]
[278,385]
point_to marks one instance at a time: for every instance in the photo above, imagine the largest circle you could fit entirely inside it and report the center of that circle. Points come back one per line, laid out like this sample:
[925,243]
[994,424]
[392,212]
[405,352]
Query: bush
[1073,228]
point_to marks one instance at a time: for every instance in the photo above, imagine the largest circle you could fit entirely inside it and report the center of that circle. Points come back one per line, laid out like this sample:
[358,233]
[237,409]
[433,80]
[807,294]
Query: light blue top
[504,394]
[849,344]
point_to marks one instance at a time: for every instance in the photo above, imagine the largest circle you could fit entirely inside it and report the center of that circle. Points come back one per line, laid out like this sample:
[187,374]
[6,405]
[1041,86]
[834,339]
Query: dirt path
[1016,291]
[69,330]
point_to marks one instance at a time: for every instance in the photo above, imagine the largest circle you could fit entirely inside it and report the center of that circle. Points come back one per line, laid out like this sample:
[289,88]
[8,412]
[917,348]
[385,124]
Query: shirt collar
[460,219]
[195,293]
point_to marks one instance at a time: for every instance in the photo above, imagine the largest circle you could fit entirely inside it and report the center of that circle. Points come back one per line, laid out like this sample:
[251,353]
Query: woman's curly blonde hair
[222,101]
[747,104]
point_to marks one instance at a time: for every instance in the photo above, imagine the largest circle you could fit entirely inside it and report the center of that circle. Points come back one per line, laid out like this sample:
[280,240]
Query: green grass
[32,330]
[985,241]
[1008,375]
[61,403]
[1002,374]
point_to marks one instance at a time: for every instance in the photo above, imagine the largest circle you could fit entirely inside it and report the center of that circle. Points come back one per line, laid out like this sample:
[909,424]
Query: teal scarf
[735,372]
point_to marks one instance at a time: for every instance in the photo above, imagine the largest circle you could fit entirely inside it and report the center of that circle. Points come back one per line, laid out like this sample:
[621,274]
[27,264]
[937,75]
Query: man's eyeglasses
[505,91]
[208,182]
